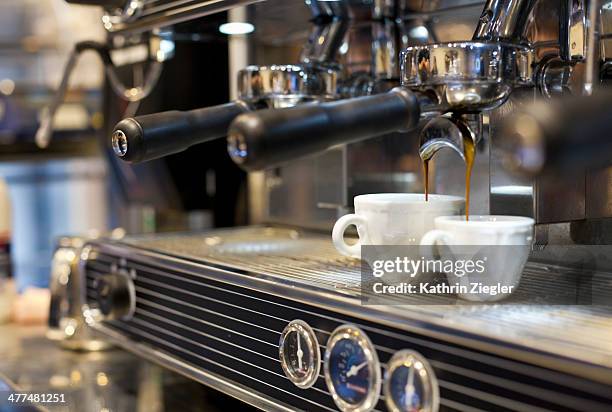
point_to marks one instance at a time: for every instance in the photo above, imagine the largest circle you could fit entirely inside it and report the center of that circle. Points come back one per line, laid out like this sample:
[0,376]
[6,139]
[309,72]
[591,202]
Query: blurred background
[76,185]
[72,186]
[62,189]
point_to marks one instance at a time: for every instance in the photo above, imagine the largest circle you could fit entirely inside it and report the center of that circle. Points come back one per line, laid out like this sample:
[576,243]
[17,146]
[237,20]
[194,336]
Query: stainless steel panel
[308,265]
[560,199]
[599,193]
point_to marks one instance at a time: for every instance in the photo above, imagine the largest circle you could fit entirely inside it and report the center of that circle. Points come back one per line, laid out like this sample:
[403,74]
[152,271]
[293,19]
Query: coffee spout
[446,132]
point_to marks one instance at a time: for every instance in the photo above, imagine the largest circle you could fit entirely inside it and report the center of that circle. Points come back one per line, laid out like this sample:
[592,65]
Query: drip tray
[308,261]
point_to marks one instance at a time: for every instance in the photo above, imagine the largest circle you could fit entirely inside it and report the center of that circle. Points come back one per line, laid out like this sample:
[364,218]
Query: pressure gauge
[299,354]
[410,384]
[352,370]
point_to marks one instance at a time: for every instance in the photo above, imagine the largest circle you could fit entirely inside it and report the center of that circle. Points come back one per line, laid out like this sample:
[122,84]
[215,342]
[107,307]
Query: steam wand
[132,94]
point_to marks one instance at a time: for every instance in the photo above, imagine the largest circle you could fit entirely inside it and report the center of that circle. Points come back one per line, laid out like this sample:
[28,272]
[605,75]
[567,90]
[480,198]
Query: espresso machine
[271,313]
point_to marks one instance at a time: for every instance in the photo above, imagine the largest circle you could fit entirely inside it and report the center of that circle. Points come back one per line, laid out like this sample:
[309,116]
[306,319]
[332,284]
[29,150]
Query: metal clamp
[468,76]
[287,85]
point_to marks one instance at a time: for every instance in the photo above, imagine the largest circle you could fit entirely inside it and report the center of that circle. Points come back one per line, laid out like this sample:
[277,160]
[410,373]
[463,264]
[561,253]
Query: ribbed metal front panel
[200,314]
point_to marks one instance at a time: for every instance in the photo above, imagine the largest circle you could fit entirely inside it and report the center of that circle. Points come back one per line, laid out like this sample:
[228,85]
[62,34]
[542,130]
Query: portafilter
[461,77]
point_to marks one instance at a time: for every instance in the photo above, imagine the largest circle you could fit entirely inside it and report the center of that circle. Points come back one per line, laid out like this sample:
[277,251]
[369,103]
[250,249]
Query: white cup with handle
[392,219]
[504,242]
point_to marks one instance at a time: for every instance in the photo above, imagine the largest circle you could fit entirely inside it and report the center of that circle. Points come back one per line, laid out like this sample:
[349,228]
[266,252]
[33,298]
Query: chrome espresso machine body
[271,313]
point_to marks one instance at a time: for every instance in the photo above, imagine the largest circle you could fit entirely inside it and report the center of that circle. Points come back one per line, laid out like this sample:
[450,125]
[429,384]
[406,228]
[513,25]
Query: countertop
[107,381]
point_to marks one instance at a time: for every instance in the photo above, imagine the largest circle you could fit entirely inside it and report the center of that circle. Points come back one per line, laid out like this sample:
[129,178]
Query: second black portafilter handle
[559,137]
[151,136]
[266,138]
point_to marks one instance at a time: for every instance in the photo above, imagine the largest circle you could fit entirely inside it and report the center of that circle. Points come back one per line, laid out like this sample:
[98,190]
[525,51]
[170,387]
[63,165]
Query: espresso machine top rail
[306,265]
[145,15]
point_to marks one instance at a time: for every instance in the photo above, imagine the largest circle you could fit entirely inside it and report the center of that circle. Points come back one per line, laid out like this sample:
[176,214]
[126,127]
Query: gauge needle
[355,369]
[409,387]
[300,353]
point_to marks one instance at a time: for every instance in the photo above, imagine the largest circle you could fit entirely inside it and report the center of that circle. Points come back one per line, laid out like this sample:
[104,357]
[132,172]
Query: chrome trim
[425,373]
[227,342]
[166,343]
[526,388]
[66,323]
[469,75]
[487,397]
[573,29]
[155,283]
[216,351]
[172,13]
[415,319]
[304,331]
[210,379]
[446,132]
[440,365]
[207,310]
[119,143]
[504,20]
[202,321]
[130,12]
[358,336]
[287,85]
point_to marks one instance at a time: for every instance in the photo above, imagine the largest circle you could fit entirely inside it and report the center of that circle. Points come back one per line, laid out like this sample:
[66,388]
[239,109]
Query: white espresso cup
[503,241]
[392,219]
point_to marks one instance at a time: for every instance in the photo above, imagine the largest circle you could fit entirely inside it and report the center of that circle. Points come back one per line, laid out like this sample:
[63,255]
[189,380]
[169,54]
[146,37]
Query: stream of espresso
[426,177]
[469,152]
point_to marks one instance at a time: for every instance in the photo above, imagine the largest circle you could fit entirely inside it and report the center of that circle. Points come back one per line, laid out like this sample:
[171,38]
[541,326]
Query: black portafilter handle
[151,136]
[267,138]
[559,137]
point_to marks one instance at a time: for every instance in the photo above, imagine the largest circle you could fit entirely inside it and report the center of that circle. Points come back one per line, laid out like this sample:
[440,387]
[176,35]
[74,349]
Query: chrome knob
[120,143]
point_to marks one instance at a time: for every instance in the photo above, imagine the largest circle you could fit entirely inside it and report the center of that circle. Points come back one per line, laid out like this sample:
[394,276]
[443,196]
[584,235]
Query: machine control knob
[116,296]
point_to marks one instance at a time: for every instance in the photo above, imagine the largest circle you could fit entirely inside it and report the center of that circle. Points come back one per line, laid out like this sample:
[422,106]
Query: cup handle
[433,238]
[338,235]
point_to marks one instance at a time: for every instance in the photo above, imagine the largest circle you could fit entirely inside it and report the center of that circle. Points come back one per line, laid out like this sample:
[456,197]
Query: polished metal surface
[213,306]
[119,143]
[114,380]
[287,85]
[446,132]
[130,12]
[504,20]
[331,22]
[309,260]
[156,14]
[469,76]
[326,184]
[573,30]
[599,194]
[283,24]
[212,380]
[66,322]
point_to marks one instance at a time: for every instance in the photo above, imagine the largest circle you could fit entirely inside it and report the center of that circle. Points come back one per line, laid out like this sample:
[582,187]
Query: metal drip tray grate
[310,260]
[302,257]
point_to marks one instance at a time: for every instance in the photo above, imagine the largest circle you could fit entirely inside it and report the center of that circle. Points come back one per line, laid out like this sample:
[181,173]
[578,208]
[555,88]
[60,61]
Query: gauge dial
[410,384]
[352,370]
[299,354]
